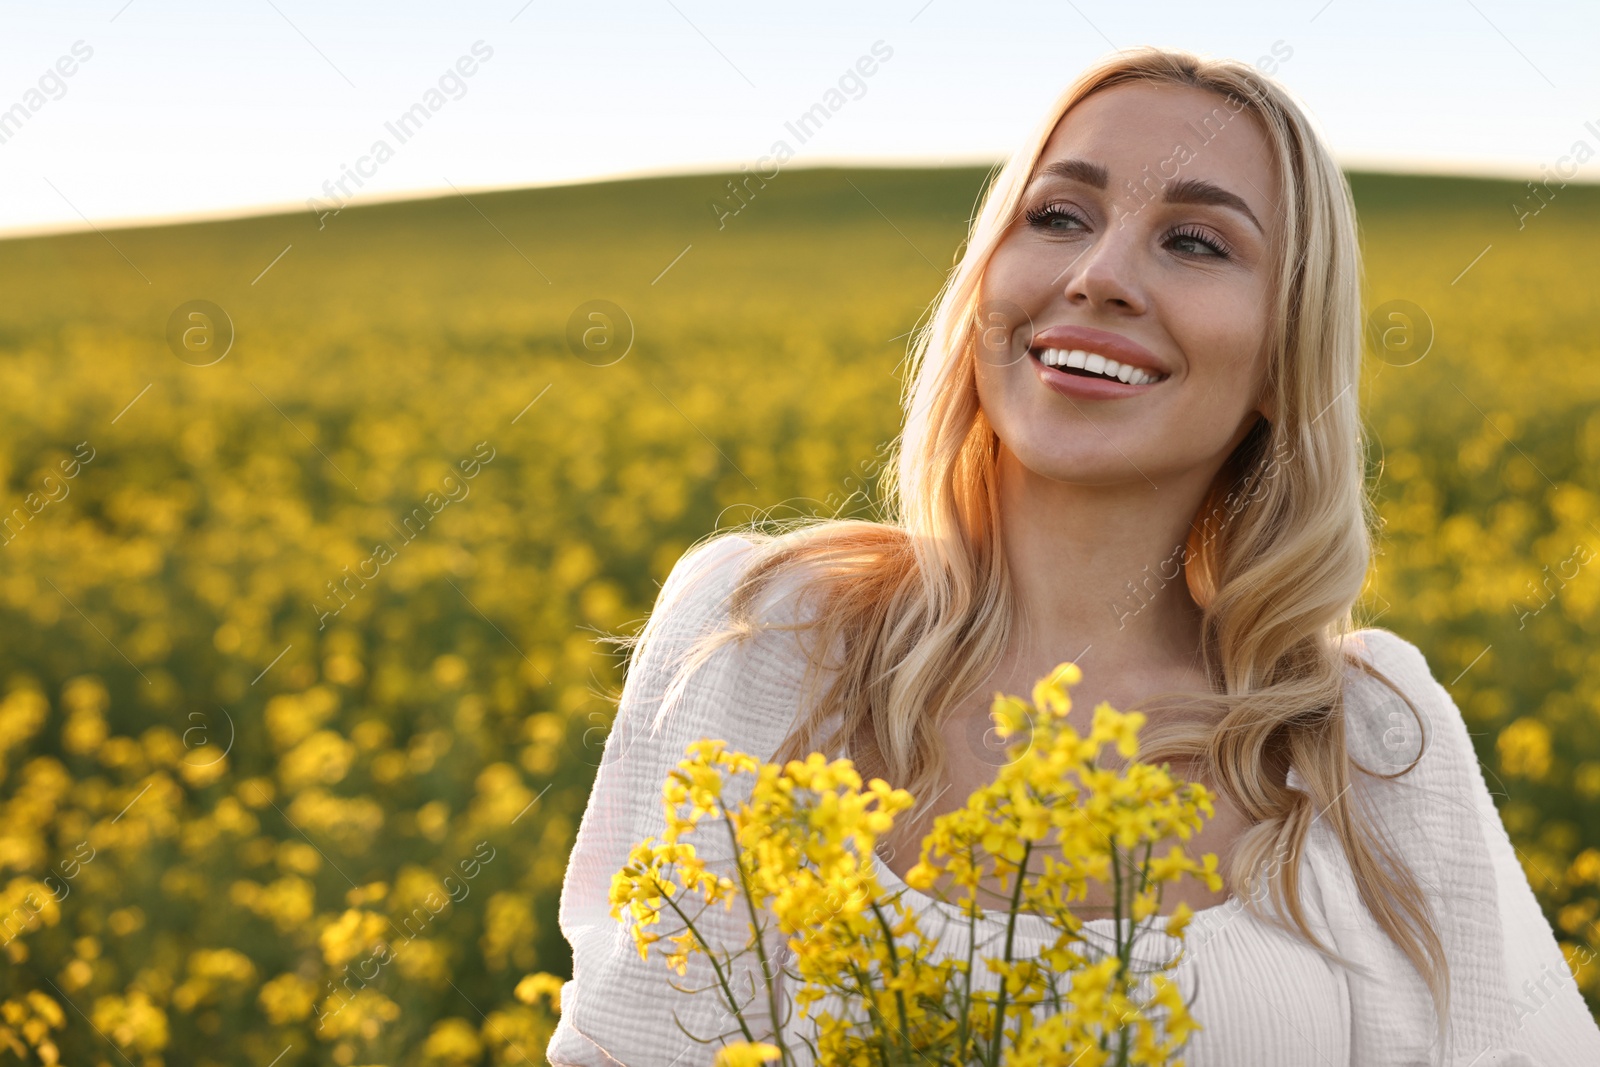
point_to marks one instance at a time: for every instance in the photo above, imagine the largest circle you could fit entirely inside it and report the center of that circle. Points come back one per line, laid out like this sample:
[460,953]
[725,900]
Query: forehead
[1142,131]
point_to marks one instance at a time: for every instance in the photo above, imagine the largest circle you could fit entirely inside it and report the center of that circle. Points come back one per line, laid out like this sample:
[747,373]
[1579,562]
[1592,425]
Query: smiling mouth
[1085,364]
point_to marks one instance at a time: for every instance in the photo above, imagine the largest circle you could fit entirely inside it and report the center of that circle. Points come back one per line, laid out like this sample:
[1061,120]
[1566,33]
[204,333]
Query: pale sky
[179,108]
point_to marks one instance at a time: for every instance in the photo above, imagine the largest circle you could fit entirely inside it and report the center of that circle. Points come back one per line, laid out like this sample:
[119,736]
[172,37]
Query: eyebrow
[1184,191]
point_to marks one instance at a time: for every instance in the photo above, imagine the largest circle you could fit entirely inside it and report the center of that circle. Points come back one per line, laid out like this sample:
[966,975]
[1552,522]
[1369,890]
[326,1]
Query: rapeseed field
[310,525]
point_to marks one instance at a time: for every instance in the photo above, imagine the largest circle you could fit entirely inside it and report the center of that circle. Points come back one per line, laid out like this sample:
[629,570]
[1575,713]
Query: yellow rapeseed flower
[746,1054]
[1051,822]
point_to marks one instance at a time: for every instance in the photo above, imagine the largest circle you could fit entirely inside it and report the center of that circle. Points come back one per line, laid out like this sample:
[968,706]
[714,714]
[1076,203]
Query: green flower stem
[1122,949]
[722,980]
[964,1033]
[894,962]
[1011,930]
[863,983]
[761,948]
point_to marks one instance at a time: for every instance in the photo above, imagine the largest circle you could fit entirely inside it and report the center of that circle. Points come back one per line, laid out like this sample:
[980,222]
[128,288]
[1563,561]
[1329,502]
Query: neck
[1098,574]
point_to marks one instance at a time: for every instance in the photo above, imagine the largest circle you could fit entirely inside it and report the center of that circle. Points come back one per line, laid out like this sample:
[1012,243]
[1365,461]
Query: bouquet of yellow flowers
[805,843]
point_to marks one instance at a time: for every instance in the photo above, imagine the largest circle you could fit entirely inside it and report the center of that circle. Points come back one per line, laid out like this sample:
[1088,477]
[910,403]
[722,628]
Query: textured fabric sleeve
[619,1008]
[1513,1003]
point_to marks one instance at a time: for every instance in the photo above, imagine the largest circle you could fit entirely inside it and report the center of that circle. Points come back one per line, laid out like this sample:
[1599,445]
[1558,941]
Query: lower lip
[1085,388]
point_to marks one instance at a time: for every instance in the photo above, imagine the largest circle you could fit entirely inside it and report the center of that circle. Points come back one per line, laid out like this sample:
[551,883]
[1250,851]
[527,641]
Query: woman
[1133,441]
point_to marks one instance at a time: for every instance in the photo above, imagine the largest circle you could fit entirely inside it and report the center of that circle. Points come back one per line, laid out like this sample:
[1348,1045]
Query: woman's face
[1139,240]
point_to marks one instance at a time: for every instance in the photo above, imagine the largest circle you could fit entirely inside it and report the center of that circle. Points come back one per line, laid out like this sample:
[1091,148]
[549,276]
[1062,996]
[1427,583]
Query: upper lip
[1111,345]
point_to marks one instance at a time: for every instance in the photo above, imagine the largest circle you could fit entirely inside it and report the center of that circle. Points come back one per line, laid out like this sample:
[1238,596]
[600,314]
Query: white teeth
[1077,358]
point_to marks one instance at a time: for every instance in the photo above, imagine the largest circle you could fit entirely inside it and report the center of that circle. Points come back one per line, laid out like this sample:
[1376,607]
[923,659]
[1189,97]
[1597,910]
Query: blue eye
[1054,217]
[1212,242]
[1045,217]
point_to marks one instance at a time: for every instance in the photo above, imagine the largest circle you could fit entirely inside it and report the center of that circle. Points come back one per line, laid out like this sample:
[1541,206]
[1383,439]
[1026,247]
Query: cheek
[1221,334]
[1017,275]
[1003,390]
[1001,271]
[990,382]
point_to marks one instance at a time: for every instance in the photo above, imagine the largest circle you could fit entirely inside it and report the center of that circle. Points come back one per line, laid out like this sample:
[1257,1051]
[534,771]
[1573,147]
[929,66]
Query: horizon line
[1480,170]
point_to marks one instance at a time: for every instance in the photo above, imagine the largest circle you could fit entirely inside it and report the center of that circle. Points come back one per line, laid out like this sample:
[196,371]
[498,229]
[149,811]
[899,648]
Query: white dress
[1263,997]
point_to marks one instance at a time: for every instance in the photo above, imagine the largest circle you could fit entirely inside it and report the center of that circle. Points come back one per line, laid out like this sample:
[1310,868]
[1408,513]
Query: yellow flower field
[301,696]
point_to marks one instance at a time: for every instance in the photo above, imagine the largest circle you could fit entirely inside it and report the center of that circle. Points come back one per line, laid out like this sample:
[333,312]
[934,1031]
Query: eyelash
[1039,215]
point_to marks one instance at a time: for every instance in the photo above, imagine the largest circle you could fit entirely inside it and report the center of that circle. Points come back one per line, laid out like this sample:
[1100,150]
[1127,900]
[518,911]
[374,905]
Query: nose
[1105,275]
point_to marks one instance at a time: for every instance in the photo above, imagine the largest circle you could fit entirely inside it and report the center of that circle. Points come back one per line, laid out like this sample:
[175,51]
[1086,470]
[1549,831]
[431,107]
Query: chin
[1090,463]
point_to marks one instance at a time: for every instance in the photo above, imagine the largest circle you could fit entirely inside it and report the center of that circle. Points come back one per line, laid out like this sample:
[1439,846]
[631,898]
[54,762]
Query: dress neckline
[1038,925]
[1027,920]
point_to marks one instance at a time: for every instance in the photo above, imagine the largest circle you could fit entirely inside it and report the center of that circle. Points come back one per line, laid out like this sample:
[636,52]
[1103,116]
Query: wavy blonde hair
[920,605]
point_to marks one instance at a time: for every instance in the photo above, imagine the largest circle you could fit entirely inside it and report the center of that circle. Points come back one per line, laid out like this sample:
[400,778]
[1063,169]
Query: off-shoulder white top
[1264,997]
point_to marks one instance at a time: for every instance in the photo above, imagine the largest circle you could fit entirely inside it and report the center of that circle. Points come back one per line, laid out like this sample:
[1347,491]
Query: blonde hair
[920,606]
